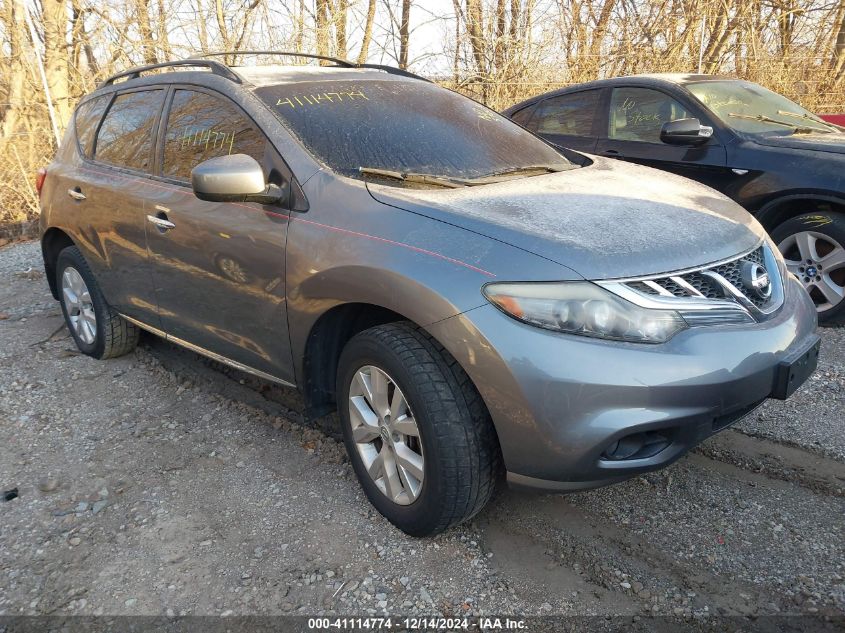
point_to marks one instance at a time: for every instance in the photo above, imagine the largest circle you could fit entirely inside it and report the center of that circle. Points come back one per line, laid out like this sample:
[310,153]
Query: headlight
[584,308]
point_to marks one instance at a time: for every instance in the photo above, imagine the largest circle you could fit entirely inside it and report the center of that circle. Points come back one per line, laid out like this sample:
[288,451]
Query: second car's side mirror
[234,178]
[685,132]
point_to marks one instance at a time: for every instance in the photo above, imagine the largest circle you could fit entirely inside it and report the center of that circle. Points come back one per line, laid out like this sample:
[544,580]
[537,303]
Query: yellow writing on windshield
[300,101]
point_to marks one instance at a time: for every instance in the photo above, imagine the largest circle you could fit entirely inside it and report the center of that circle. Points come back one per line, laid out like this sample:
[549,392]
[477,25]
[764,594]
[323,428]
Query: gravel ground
[161,483]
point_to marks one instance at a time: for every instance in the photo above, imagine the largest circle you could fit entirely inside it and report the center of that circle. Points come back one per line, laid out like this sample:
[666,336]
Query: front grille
[707,287]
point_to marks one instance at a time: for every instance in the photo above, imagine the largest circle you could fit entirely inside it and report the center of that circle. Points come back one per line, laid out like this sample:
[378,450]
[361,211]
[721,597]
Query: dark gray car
[471,300]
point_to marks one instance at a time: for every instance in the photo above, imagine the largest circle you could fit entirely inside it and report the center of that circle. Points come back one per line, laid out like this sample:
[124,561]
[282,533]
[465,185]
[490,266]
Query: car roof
[680,78]
[275,74]
[646,79]
[248,77]
[211,67]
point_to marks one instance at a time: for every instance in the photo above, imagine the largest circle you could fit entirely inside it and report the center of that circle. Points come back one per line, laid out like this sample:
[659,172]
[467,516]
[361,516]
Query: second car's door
[218,268]
[634,120]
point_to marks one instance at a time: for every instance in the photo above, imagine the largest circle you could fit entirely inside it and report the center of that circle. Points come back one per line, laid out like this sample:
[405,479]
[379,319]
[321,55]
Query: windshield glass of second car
[409,127]
[745,106]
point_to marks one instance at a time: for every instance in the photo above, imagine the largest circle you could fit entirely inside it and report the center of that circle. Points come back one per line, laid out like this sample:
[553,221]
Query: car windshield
[411,128]
[752,109]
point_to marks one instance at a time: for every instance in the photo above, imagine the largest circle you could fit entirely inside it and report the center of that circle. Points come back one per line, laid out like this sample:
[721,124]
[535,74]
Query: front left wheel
[98,330]
[417,432]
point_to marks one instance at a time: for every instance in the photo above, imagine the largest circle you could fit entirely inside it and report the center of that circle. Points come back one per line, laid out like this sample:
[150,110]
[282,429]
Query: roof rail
[214,66]
[336,60]
[345,63]
[393,71]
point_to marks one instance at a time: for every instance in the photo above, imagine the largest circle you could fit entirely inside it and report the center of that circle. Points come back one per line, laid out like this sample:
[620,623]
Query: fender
[361,251]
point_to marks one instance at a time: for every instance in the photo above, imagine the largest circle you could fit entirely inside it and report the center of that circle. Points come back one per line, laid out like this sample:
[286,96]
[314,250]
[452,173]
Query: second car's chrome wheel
[80,308]
[386,435]
[818,261]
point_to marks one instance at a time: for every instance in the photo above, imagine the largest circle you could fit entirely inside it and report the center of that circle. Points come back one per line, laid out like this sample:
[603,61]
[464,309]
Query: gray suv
[474,302]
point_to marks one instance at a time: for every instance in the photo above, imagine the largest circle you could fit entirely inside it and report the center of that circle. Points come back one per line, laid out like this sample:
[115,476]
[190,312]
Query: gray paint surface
[606,220]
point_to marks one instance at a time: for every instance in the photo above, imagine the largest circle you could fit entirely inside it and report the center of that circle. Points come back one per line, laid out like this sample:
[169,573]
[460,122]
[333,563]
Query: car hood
[607,220]
[833,142]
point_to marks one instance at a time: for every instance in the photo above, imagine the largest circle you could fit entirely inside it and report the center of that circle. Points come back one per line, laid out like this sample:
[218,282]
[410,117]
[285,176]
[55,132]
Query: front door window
[638,114]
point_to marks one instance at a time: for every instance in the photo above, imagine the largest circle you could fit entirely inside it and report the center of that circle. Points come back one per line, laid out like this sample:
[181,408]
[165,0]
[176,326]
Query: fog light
[638,445]
[624,448]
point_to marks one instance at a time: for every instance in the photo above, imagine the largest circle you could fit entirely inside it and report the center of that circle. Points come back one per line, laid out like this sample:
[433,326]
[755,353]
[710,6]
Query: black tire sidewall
[835,229]
[71,257]
[420,517]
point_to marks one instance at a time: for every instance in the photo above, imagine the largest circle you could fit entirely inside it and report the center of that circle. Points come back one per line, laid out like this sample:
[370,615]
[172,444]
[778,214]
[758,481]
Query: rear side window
[86,119]
[201,126]
[523,116]
[567,115]
[125,138]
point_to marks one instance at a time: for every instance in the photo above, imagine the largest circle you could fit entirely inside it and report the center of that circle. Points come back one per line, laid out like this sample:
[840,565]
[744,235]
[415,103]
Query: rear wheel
[419,437]
[97,329]
[813,246]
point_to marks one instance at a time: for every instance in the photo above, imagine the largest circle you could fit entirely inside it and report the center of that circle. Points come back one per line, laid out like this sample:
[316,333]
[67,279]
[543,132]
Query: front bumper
[559,402]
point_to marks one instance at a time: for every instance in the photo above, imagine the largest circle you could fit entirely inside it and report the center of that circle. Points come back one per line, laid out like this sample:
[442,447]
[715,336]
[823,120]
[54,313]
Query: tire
[112,335]
[807,243]
[456,439]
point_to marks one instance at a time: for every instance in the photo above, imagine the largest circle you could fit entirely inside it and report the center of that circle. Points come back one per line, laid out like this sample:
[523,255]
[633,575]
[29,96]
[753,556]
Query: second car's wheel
[813,246]
[97,329]
[418,434]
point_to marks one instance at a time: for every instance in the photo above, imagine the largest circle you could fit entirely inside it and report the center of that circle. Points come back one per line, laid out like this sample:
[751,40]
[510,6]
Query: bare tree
[404,26]
[368,32]
[54,17]
[497,51]
[838,55]
[13,95]
[321,27]
[340,16]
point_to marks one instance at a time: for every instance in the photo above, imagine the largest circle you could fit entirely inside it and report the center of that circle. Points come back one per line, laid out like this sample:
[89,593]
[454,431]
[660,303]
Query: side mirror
[685,132]
[234,178]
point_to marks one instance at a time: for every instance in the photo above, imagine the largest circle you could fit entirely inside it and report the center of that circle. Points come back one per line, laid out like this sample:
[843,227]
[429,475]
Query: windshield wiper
[453,183]
[830,127]
[796,129]
[528,168]
[411,177]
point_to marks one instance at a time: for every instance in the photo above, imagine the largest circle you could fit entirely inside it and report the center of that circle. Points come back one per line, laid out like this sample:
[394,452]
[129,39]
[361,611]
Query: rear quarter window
[86,120]
[523,116]
[125,138]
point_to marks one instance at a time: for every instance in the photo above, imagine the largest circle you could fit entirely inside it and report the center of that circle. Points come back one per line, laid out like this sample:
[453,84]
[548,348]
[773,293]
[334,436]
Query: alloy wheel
[818,261]
[80,308]
[386,435]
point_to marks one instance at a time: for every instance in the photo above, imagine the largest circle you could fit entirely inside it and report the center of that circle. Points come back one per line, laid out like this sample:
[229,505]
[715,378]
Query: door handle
[162,223]
[76,193]
[611,152]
